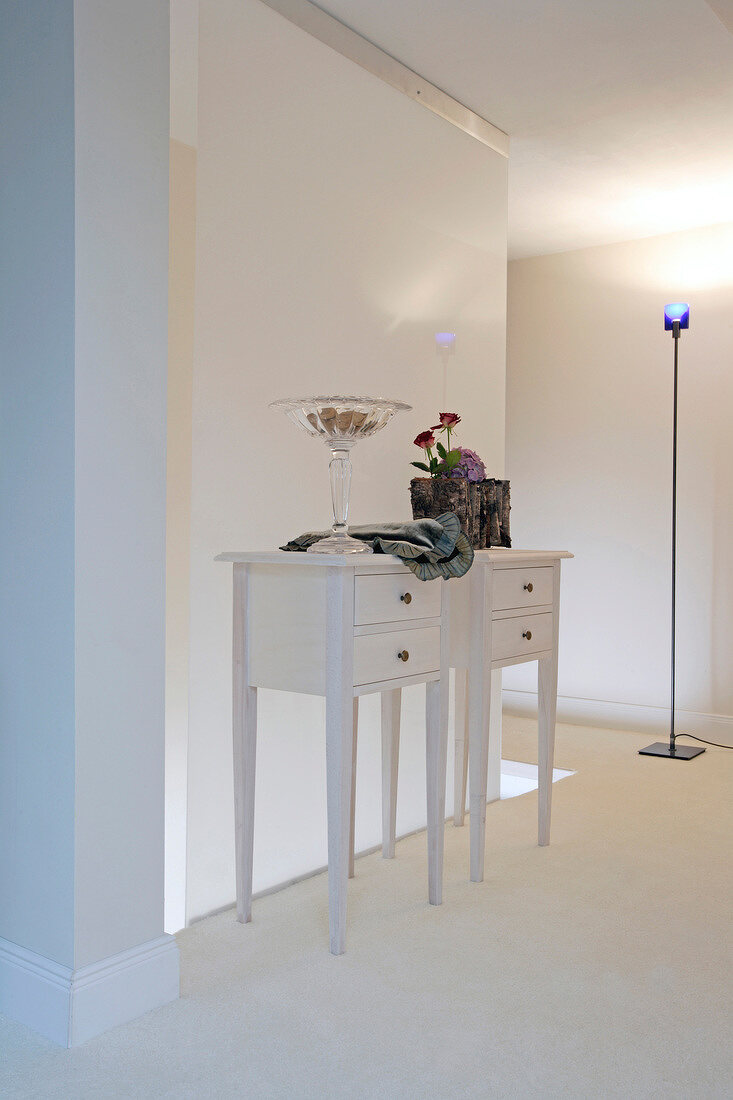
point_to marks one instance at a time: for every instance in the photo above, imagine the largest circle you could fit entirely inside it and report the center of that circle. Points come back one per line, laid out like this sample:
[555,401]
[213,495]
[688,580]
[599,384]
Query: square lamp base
[681,752]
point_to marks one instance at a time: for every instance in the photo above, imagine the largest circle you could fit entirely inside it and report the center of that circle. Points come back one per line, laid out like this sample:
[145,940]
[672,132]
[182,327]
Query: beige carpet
[598,967]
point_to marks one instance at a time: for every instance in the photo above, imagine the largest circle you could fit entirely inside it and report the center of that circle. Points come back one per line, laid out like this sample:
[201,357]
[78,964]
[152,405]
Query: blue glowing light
[678,311]
[445,339]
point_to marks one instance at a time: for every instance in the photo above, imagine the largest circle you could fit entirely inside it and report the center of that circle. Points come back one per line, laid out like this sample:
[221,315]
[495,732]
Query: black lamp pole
[676,317]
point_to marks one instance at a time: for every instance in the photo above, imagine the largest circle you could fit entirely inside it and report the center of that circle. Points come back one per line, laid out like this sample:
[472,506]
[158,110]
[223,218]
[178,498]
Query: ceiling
[620,112]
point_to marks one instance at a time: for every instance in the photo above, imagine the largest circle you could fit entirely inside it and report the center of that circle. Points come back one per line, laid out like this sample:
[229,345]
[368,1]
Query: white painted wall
[84,287]
[339,226]
[184,31]
[37,478]
[178,521]
[589,422]
[184,61]
[121,108]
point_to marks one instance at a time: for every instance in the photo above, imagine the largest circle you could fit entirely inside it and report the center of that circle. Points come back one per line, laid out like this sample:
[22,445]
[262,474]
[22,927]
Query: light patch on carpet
[519,778]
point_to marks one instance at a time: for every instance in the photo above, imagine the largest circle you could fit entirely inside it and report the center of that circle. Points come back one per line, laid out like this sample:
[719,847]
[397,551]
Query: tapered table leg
[478,748]
[436,759]
[244,730]
[339,755]
[340,727]
[352,816]
[479,711]
[460,774]
[493,786]
[547,684]
[391,707]
[547,711]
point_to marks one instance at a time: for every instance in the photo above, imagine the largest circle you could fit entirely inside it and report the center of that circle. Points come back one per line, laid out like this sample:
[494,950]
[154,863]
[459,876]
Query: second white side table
[507,614]
[505,611]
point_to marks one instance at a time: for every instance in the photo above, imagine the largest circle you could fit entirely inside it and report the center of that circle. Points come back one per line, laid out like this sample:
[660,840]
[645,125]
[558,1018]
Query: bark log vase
[481,506]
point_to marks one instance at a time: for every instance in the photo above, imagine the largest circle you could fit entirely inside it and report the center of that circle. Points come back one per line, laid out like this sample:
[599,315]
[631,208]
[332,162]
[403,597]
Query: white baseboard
[624,716]
[70,1006]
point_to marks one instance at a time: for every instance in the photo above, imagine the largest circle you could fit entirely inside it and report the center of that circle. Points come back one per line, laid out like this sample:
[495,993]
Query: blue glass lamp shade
[678,311]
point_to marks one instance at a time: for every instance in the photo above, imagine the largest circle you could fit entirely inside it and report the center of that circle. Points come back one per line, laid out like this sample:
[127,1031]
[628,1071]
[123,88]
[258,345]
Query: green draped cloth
[431,548]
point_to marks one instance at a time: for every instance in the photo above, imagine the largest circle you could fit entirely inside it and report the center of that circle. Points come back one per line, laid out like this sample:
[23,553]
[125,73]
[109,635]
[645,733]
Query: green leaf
[421,466]
[440,449]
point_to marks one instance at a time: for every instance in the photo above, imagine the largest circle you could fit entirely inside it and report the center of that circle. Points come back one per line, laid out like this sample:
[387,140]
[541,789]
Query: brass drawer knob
[528,635]
[406,597]
[403,655]
[529,587]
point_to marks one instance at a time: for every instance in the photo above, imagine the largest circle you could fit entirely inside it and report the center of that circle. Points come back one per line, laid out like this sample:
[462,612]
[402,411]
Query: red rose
[425,439]
[447,420]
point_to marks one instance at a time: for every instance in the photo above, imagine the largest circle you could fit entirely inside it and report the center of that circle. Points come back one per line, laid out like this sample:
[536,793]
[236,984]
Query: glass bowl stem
[340,471]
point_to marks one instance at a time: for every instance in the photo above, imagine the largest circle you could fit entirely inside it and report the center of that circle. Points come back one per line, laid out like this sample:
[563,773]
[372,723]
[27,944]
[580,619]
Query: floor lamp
[676,317]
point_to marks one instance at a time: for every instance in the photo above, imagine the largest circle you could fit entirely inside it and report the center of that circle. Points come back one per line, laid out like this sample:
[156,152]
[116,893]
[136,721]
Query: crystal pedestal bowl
[340,422]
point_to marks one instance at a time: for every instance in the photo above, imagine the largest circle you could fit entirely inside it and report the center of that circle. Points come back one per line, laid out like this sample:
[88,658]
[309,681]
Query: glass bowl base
[340,544]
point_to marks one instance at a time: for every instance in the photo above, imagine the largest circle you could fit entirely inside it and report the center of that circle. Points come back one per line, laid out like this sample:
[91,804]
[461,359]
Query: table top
[378,563]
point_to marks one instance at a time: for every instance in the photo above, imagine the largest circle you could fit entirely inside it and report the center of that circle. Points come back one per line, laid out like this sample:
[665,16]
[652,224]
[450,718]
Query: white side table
[340,626]
[505,611]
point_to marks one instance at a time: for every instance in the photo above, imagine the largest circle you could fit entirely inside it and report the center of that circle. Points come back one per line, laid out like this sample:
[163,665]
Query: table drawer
[522,587]
[394,597]
[376,655]
[523,634]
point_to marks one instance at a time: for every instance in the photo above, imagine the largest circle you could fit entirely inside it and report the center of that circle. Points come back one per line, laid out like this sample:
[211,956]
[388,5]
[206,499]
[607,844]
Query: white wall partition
[184,17]
[178,526]
[339,226]
[37,481]
[589,454]
[84,247]
[120,384]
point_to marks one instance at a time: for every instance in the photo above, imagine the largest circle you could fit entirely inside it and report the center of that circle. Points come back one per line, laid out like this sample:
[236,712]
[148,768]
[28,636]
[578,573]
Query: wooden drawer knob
[406,597]
[528,635]
[529,587]
[403,655]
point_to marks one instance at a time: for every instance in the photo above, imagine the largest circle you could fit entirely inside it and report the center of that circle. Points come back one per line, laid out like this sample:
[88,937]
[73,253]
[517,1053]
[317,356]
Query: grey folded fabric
[431,548]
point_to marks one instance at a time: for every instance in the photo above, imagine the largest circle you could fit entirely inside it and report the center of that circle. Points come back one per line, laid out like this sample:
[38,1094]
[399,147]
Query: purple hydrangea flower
[470,466]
